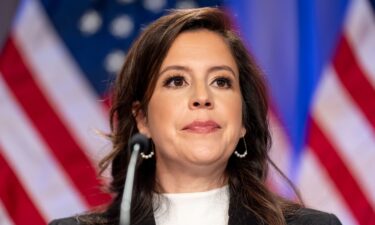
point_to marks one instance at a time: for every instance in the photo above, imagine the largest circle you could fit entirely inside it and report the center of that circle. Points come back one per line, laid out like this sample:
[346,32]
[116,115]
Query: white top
[198,208]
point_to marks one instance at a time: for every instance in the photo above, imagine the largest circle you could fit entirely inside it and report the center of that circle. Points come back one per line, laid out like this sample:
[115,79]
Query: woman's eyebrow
[175,67]
[210,70]
[222,67]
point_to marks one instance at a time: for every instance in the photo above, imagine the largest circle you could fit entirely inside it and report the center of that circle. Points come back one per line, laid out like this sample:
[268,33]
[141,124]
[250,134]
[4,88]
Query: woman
[190,86]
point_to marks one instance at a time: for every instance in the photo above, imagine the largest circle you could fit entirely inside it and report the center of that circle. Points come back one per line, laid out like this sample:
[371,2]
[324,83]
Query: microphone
[137,143]
[140,140]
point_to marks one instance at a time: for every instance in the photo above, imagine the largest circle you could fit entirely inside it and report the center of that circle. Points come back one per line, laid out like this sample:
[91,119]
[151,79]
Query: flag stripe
[280,154]
[33,162]
[44,118]
[341,176]
[313,177]
[352,77]
[19,206]
[73,99]
[360,33]
[4,217]
[340,120]
[342,111]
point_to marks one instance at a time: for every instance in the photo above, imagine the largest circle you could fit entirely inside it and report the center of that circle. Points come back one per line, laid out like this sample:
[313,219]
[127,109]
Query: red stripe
[18,205]
[345,183]
[107,100]
[354,80]
[48,124]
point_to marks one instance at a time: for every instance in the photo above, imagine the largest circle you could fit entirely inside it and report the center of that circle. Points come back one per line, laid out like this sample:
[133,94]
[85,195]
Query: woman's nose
[202,104]
[201,98]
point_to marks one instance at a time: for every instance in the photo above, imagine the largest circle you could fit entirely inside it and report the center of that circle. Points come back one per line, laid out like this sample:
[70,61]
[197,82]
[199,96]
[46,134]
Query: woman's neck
[184,180]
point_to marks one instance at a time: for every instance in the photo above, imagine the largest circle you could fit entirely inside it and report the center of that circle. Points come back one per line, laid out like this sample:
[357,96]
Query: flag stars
[114,60]
[122,26]
[186,4]
[125,1]
[90,22]
[155,6]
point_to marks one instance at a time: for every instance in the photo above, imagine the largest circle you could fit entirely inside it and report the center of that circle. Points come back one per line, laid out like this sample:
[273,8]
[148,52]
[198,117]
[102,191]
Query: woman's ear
[243,132]
[140,118]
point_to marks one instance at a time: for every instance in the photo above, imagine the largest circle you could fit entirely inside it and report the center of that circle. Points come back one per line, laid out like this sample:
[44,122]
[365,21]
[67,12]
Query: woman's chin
[206,157]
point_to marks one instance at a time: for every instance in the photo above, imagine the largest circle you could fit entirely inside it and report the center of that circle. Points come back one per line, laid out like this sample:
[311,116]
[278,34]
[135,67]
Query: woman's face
[194,116]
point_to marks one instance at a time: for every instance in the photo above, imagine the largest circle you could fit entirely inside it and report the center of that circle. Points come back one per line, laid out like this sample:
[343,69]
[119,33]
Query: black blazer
[303,216]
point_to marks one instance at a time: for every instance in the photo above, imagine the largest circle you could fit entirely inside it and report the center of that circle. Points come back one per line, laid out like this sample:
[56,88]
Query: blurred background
[57,59]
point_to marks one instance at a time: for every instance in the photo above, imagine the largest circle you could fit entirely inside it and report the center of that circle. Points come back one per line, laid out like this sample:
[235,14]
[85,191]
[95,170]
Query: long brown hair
[136,82]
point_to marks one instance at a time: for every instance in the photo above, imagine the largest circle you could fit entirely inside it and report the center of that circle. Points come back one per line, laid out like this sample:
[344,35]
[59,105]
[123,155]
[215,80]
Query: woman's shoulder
[301,216]
[311,216]
[83,219]
[66,221]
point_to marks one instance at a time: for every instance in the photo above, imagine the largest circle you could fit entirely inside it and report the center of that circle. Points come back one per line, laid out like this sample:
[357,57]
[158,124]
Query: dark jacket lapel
[238,215]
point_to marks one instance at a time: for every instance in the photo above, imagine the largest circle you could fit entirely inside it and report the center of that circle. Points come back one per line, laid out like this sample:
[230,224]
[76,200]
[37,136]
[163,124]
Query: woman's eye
[175,81]
[223,82]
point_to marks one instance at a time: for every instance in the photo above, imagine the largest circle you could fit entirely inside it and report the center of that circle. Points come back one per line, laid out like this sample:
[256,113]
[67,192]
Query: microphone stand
[137,142]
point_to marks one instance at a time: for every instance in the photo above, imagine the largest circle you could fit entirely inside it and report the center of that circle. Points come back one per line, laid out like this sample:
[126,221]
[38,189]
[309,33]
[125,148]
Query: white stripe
[4,217]
[30,159]
[347,129]
[280,143]
[319,192]
[61,80]
[360,31]
[280,154]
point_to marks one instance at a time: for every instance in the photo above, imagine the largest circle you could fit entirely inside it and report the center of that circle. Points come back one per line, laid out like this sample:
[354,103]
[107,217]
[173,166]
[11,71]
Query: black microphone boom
[137,143]
[139,139]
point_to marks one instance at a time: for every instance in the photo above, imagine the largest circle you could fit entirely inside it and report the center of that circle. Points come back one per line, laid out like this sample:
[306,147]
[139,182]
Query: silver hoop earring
[245,152]
[148,156]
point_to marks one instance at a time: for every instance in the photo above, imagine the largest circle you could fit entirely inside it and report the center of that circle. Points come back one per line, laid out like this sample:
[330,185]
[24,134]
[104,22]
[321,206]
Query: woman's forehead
[199,48]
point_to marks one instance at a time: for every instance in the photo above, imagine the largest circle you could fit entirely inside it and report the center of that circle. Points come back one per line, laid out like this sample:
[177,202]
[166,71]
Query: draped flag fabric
[59,57]
[319,60]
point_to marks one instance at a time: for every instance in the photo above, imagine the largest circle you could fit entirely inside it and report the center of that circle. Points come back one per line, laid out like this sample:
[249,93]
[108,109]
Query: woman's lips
[202,127]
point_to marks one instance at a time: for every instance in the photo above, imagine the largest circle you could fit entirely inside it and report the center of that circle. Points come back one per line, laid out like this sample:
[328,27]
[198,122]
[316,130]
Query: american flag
[58,57]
